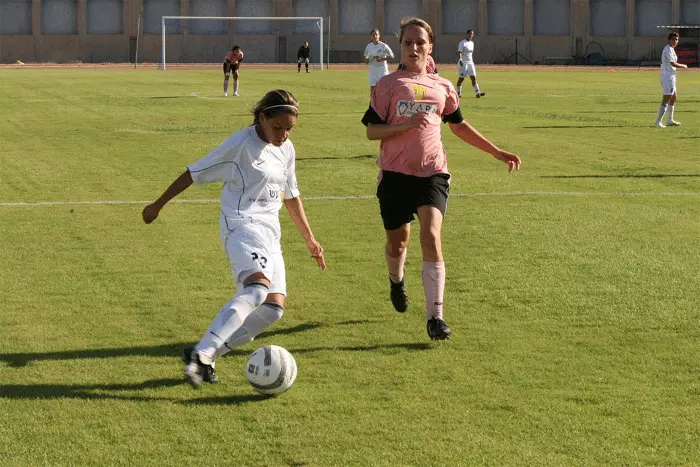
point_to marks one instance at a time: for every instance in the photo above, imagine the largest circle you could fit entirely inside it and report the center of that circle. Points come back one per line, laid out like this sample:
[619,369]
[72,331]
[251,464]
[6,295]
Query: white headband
[280,105]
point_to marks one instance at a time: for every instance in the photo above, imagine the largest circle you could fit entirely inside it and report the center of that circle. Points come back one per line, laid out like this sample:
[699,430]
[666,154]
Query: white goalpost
[319,24]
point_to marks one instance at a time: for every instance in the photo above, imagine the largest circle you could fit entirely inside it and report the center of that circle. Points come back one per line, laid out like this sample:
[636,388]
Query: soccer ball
[271,370]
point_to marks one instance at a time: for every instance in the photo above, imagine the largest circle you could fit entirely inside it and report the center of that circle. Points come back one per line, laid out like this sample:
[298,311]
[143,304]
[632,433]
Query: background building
[545,30]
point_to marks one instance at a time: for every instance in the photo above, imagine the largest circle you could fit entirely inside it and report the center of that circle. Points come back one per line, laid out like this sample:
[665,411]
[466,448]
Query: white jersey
[668,56]
[255,174]
[379,50]
[466,48]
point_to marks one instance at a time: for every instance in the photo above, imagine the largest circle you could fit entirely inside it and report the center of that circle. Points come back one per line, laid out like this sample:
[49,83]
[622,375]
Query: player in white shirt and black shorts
[377,54]
[257,168]
[465,64]
[669,63]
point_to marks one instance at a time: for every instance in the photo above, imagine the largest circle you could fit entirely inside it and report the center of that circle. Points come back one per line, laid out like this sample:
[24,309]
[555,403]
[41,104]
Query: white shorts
[252,248]
[668,83]
[375,74]
[468,69]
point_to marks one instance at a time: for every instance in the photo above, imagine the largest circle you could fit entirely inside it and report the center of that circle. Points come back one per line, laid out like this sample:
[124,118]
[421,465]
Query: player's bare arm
[296,212]
[469,134]
[387,130]
[678,65]
[181,183]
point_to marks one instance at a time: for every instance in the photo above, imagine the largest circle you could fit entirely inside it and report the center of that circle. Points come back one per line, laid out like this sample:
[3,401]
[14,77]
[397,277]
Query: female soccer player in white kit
[465,64]
[669,63]
[377,53]
[257,166]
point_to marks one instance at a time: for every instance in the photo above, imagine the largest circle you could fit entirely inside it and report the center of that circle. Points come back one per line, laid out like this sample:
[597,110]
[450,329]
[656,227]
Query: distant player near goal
[669,63]
[465,64]
[377,53]
[303,56]
[232,63]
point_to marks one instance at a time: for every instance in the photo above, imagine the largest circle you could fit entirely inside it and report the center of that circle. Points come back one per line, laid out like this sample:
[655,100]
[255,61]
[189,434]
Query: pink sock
[396,266]
[433,275]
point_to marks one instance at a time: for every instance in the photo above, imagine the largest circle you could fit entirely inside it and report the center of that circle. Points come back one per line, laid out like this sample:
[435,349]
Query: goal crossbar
[260,18]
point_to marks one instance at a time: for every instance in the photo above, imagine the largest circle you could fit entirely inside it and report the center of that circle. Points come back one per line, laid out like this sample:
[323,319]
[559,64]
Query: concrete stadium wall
[523,18]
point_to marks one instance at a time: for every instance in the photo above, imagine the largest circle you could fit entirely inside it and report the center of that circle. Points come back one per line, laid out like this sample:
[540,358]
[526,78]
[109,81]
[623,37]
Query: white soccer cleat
[673,123]
[225,94]
[235,94]
[659,125]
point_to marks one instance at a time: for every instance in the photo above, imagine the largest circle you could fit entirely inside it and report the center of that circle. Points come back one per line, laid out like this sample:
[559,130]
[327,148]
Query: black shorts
[401,195]
[232,69]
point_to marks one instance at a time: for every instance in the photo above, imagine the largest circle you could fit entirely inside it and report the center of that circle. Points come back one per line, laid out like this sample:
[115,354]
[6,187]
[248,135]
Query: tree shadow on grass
[18,360]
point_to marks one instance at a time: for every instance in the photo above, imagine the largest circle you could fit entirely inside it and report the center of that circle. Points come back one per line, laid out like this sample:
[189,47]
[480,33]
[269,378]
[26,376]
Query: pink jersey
[430,65]
[229,57]
[396,98]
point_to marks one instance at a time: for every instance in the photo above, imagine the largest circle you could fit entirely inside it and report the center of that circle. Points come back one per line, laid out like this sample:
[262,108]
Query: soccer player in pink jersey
[405,113]
[232,62]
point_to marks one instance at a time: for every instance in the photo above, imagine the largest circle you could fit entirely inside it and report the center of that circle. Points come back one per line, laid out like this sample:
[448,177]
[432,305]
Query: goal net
[207,39]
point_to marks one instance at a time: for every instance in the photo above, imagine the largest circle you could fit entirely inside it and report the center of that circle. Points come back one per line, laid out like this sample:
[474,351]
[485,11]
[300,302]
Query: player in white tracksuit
[465,64]
[257,168]
[377,54]
[669,63]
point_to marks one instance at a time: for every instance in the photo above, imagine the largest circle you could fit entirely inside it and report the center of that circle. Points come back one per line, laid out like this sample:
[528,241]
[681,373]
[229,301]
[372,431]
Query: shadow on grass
[550,127]
[625,176]
[116,392]
[19,360]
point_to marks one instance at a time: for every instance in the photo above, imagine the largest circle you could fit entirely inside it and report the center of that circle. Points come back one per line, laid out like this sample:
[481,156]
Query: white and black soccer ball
[271,370]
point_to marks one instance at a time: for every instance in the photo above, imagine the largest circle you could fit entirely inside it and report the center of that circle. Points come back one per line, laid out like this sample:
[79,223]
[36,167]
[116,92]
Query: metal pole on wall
[328,49]
[138,37]
[162,41]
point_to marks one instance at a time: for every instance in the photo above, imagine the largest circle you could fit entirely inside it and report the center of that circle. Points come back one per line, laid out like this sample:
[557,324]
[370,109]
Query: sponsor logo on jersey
[410,108]
[419,91]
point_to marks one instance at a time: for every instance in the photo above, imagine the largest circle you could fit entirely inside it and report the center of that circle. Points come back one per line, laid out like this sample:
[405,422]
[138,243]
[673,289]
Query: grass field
[572,286]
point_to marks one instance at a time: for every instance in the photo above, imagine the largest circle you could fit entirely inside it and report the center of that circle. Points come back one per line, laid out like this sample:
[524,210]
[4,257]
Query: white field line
[345,198]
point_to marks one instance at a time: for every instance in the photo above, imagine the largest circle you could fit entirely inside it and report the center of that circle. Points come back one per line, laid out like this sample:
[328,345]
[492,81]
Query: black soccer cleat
[480,94]
[195,371]
[399,297]
[437,329]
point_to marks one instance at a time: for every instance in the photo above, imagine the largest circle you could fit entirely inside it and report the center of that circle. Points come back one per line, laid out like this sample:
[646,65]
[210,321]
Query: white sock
[225,85]
[396,266]
[253,325]
[662,111]
[235,85]
[459,89]
[670,112]
[229,319]
[433,275]
[476,88]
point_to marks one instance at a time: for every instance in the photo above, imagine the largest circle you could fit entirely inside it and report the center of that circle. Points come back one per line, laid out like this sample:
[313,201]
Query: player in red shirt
[405,113]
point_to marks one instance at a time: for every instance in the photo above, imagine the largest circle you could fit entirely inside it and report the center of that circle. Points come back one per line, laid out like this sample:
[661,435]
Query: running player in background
[303,56]
[377,53]
[669,63]
[405,114]
[257,168]
[465,64]
[232,63]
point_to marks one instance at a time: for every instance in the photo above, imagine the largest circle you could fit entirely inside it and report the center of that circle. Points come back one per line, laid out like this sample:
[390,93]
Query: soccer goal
[269,39]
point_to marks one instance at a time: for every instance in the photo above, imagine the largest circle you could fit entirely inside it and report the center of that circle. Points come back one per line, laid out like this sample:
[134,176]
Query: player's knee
[270,312]
[254,293]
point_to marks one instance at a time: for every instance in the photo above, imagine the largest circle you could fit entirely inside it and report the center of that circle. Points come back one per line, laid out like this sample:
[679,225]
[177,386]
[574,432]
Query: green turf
[572,286]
